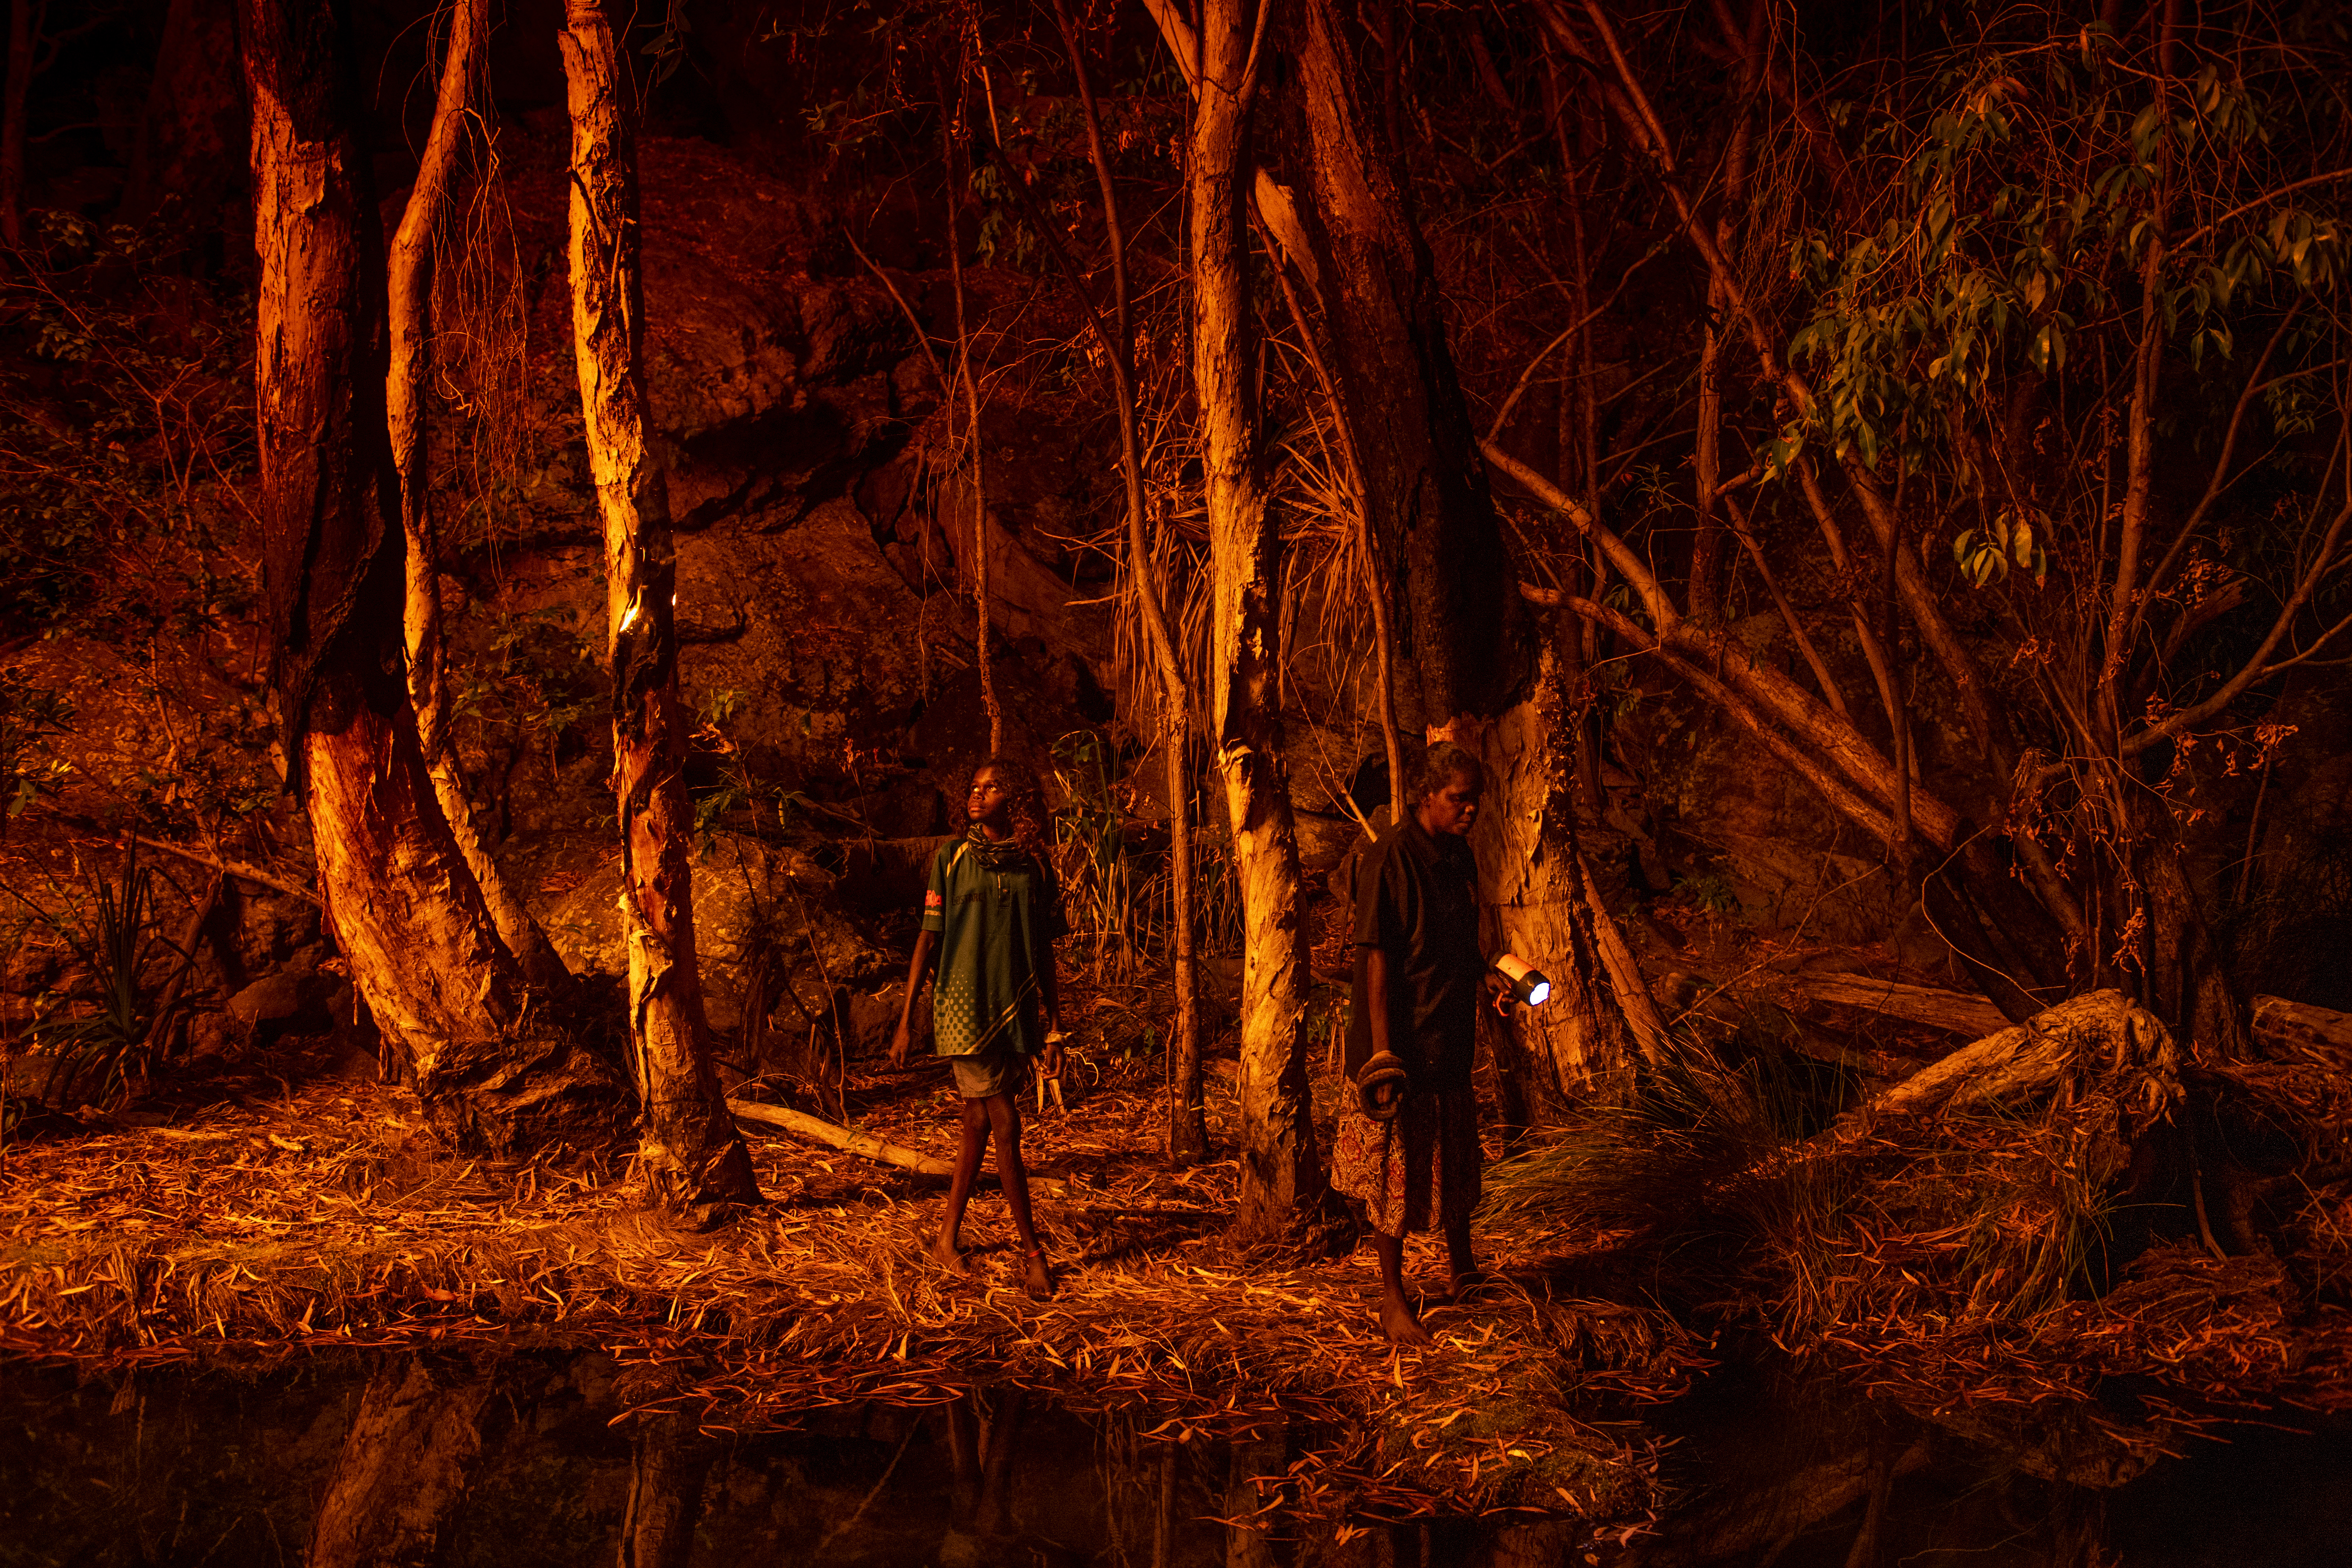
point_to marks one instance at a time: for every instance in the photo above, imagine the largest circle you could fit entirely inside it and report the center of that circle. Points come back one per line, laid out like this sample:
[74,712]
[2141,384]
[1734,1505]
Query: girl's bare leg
[946,1251]
[1004,1117]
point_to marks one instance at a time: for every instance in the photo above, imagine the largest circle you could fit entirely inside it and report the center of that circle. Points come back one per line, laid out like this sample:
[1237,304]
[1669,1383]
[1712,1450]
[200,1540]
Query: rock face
[274,999]
[768,929]
[825,617]
[822,652]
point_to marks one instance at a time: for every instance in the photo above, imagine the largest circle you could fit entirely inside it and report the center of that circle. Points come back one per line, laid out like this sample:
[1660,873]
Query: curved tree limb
[409,266]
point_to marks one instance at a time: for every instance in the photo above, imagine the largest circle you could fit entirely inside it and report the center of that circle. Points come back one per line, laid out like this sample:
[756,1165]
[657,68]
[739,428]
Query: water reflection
[426,1462]
[419,1461]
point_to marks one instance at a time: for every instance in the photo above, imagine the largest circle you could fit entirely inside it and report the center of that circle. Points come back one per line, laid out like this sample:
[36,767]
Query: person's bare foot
[1397,1322]
[946,1254]
[1039,1279]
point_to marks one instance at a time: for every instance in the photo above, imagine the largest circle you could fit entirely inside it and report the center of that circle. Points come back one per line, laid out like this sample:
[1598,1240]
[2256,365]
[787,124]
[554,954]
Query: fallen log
[2281,1027]
[2100,1032]
[846,1139]
[1956,1011]
[2284,1029]
[865,1144]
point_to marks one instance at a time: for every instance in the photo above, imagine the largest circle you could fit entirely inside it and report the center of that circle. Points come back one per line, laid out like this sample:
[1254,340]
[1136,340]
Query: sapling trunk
[692,1159]
[410,266]
[958,170]
[1187,1133]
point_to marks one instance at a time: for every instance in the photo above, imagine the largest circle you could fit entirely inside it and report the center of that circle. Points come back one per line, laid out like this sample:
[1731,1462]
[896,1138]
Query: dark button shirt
[1417,901]
[997,914]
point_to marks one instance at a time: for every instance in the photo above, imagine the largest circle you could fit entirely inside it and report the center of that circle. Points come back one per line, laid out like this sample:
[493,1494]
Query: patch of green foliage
[102,1050]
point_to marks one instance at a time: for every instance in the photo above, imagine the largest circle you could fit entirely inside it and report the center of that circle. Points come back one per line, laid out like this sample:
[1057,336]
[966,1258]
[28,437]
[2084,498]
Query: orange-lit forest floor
[273,1214]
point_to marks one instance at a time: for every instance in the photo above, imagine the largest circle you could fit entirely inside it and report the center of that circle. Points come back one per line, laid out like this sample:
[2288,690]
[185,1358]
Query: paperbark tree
[493,1069]
[1425,491]
[1428,519]
[1283,1187]
[1600,1019]
[1433,525]
[692,1157]
[406,399]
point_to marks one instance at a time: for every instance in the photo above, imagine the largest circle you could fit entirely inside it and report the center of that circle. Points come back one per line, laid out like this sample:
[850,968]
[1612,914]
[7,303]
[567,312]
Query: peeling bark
[692,1157]
[1425,491]
[1533,877]
[1282,1179]
[494,1068]
[492,1071]
[2099,1033]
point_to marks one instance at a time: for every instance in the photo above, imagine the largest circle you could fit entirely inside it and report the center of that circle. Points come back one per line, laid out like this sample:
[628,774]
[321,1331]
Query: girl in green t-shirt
[990,912]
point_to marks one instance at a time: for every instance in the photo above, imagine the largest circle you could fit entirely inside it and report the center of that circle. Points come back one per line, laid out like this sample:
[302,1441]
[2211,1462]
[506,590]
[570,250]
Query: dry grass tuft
[1969,1267]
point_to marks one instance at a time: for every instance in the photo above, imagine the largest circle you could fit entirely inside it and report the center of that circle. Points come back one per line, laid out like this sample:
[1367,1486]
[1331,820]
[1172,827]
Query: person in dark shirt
[990,912]
[1418,978]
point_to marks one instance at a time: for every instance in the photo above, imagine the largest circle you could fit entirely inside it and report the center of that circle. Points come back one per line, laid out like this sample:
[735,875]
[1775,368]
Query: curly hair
[1025,805]
[1443,764]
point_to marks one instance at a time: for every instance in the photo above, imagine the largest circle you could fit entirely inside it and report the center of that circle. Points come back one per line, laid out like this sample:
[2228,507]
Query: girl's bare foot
[1397,1322]
[947,1256]
[1039,1281]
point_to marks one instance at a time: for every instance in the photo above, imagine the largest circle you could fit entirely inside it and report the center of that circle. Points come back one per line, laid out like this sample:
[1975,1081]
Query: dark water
[522,1463]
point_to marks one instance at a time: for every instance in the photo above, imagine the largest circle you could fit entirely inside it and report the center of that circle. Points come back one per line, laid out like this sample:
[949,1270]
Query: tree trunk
[1425,491]
[693,1160]
[976,453]
[406,395]
[406,1461]
[1282,1182]
[2098,1033]
[492,1071]
[1533,877]
[2183,979]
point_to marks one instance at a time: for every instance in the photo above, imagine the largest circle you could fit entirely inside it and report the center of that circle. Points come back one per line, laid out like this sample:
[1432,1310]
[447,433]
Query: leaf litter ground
[321,1215]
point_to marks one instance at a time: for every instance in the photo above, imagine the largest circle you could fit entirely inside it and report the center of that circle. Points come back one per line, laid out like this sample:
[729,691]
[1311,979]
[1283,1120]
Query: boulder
[818,645]
[1325,840]
[216,1035]
[763,914]
[267,932]
[284,1001]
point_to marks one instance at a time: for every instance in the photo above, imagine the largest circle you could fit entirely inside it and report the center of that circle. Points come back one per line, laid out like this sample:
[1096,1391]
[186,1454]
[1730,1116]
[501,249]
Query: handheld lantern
[1529,988]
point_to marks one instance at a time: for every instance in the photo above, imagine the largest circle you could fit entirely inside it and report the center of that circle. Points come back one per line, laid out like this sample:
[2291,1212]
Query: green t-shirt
[997,909]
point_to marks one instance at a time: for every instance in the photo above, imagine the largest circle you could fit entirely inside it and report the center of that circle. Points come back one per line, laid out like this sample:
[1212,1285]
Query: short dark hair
[1441,766]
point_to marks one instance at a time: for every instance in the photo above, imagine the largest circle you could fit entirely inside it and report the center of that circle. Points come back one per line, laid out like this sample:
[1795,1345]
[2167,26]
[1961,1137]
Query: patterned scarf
[997,853]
